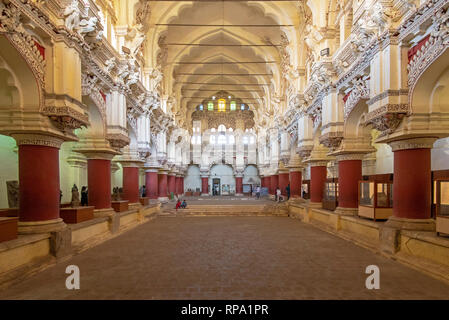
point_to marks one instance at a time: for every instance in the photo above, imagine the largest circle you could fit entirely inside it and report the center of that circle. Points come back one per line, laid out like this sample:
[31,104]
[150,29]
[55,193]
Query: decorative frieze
[415,143]
[37,140]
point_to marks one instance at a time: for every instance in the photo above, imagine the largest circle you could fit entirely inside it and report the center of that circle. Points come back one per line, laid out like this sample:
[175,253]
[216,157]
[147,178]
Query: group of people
[278,195]
[181,205]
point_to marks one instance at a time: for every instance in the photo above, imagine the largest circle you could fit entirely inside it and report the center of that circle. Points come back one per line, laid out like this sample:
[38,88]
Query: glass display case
[375,199]
[305,189]
[441,194]
[330,194]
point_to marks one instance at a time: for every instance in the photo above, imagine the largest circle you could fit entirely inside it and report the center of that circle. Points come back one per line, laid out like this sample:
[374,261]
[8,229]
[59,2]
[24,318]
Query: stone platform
[226,206]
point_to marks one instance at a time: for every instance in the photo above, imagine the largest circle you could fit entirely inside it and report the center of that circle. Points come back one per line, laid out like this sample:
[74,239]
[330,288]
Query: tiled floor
[228,258]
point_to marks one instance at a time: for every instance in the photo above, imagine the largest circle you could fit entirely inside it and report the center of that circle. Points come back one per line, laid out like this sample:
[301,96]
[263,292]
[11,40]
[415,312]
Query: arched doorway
[222,180]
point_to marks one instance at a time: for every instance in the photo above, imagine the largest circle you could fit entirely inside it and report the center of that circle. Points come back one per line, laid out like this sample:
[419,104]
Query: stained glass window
[233,105]
[210,106]
[221,105]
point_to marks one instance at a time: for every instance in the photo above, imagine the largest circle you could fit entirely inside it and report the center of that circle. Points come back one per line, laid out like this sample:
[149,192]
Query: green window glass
[210,106]
[233,105]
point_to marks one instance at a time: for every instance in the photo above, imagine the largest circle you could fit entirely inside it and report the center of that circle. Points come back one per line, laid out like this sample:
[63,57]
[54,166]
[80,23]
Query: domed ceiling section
[213,46]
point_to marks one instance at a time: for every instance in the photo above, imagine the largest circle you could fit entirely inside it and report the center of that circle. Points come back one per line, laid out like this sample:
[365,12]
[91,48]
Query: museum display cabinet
[441,200]
[330,194]
[375,199]
[305,189]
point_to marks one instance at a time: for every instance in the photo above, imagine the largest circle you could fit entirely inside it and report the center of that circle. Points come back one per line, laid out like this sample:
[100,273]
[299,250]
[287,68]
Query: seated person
[184,204]
[178,204]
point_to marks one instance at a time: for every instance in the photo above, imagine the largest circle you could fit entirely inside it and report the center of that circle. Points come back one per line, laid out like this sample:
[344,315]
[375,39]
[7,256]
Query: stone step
[229,210]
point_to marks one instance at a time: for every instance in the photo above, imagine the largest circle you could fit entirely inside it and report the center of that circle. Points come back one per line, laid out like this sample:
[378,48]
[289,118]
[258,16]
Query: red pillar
[204,185]
[349,174]
[318,176]
[99,183]
[239,185]
[38,183]
[182,185]
[171,180]
[295,183]
[151,184]
[262,182]
[412,184]
[284,178]
[131,184]
[178,185]
[162,183]
[274,183]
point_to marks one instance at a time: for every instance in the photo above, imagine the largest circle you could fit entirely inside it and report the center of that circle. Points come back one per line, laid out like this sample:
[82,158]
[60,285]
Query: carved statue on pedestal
[13,193]
[116,194]
[75,197]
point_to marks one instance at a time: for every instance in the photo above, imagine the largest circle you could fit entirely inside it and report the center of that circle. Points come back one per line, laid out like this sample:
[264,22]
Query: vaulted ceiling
[210,46]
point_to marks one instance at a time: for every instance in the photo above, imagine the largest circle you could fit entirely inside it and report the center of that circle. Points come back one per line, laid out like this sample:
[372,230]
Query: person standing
[84,196]
[278,194]
[287,190]
[257,192]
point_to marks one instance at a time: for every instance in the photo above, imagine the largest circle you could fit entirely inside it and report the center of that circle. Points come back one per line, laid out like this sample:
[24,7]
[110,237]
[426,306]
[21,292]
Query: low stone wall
[21,256]
[421,250]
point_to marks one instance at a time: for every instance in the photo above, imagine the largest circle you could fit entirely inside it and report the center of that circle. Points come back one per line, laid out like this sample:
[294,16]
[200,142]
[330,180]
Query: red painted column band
[38,183]
[177,185]
[99,183]
[171,180]
[412,184]
[151,184]
[349,174]
[162,183]
[131,184]
[284,179]
[182,185]
[318,176]
[295,184]
[238,185]
[204,185]
[274,181]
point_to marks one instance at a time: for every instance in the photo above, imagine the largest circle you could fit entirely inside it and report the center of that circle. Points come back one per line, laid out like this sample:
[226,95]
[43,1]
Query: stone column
[171,181]
[274,183]
[204,185]
[181,185]
[318,174]
[295,182]
[349,175]
[99,181]
[38,183]
[178,184]
[238,185]
[284,179]
[412,184]
[130,182]
[151,183]
[162,184]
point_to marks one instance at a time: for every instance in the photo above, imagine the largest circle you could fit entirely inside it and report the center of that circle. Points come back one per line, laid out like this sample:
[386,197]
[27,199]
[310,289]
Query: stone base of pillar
[346,211]
[31,227]
[163,199]
[315,205]
[107,212]
[204,195]
[411,224]
[239,194]
[135,206]
[297,200]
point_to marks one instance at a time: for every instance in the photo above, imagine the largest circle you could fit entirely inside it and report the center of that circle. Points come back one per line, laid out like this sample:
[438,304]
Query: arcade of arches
[343,103]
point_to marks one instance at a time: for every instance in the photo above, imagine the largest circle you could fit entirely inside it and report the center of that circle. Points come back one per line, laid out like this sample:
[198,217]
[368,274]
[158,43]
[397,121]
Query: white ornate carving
[360,90]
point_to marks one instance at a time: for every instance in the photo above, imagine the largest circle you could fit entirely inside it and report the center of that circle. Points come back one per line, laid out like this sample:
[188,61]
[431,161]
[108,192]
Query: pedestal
[120,206]
[77,214]
[8,228]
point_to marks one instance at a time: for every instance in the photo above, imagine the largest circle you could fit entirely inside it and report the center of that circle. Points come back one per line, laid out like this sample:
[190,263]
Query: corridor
[228,258]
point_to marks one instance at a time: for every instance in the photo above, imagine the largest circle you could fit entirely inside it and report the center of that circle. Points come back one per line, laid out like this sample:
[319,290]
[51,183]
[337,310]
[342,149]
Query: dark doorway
[216,187]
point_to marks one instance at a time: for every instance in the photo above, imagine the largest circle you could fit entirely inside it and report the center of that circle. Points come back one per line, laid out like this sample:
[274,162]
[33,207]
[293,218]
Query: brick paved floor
[228,258]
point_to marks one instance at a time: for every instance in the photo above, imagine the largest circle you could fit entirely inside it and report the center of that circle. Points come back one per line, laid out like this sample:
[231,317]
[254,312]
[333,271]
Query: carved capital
[416,143]
[37,140]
